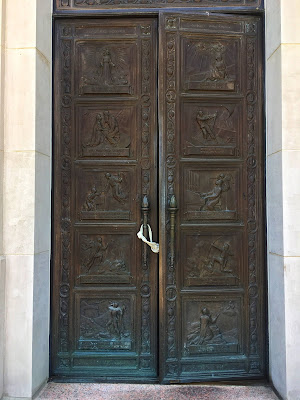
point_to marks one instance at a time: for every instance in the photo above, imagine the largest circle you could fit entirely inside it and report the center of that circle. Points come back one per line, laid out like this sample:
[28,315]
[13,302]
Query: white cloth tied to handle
[154,246]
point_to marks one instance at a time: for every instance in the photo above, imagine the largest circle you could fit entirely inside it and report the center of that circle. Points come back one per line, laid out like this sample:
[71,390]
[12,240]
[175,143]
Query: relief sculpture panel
[211,327]
[105,195]
[212,259]
[104,68]
[210,194]
[105,324]
[211,129]
[109,131]
[210,65]
[105,258]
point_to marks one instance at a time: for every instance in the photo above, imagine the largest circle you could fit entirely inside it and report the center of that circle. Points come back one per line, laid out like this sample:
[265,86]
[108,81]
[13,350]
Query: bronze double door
[158,124]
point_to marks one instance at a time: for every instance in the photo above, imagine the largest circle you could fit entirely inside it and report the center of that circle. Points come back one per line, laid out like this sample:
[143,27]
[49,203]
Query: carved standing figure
[115,324]
[115,184]
[206,122]
[107,65]
[219,67]
[97,254]
[96,137]
[223,258]
[109,128]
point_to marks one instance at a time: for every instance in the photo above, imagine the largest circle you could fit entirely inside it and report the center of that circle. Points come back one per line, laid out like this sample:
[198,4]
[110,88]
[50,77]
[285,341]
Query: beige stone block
[291,202]
[274,102]
[273,26]
[277,343]
[274,203]
[290,21]
[41,320]
[44,27]
[43,101]
[2,78]
[2,322]
[20,101]
[18,326]
[42,204]
[19,202]
[20,23]
[290,96]
[1,201]
[292,325]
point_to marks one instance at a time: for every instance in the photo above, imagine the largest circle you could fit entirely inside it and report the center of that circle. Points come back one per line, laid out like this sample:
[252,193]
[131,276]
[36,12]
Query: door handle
[172,210]
[154,246]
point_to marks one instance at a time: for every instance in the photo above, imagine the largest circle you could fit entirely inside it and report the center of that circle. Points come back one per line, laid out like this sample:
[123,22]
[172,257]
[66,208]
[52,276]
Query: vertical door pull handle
[172,210]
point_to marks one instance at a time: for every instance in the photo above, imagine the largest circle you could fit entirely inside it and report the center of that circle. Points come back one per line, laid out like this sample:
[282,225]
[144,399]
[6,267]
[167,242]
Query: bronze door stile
[158,136]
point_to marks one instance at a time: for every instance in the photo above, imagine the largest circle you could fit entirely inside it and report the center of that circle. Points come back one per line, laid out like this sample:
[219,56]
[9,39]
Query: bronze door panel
[104,292]
[192,170]
[211,258]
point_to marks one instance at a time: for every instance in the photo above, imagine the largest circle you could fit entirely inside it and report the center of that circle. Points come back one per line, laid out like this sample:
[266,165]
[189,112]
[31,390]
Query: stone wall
[26,193]
[2,259]
[283,192]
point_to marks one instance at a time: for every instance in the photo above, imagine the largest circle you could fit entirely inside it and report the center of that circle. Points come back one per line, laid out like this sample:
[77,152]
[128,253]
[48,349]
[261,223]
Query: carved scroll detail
[145,290]
[171,291]
[64,292]
[252,199]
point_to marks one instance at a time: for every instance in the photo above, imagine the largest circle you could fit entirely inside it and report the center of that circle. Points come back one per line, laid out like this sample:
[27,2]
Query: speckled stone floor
[93,391]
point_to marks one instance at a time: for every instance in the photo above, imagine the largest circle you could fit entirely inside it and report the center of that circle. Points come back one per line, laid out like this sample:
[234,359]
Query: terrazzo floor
[94,391]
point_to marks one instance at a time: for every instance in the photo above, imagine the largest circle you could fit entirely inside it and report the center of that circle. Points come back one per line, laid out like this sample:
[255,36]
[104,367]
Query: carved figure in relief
[215,329]
[115,324]
[104,325]
[206,123]
[212,199]
[206,321]
[110,72]
[106,130]
[100,258]
[219,67]
[105,70]
[107,66]
[210,260]
[207,331]
[207,67]
[107,137]
[90,202]
[98,250]
[223,258]
[211,130]
[115,184]
[110,186]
